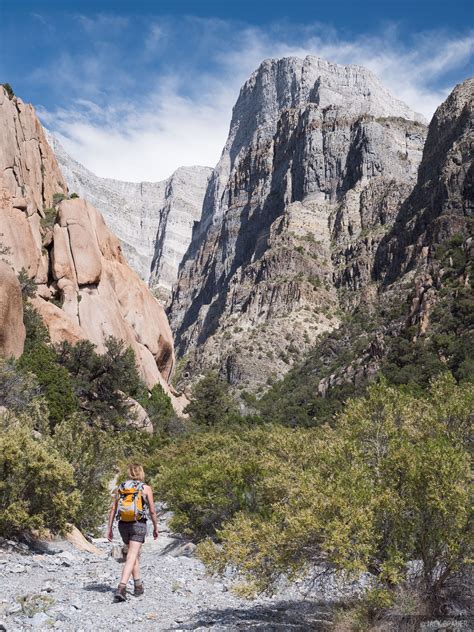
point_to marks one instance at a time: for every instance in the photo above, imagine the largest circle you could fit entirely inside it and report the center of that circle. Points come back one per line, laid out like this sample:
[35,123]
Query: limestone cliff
[442,201]
[153,220]
[318,161]
[417,320]
[85,289]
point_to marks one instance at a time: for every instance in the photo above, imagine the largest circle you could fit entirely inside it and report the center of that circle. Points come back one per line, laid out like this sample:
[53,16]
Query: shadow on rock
[284,615]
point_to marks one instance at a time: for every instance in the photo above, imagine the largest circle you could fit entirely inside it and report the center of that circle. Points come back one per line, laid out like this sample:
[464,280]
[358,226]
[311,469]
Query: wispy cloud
[143,127]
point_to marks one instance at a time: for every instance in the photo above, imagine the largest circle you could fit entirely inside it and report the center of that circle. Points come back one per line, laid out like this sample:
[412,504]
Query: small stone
[17,568]
[39,619]
[67,558]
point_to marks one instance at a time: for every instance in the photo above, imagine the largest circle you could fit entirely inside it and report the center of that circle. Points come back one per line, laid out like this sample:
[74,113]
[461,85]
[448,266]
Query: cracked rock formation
[153,220]
[85,288]
[12,329]
[318,160]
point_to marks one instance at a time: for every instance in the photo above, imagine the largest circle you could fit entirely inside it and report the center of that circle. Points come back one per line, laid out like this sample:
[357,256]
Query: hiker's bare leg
[132,556]
[136,567]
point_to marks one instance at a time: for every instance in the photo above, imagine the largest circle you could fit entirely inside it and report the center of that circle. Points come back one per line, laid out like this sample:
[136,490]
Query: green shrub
[8,90]
[27,284]
[59,197]
[93,454]
[36,485]
[20,395]
[73,196]
[207,478]
[49,219]
[159,408]
[54,380]
[102,382]
[388,484]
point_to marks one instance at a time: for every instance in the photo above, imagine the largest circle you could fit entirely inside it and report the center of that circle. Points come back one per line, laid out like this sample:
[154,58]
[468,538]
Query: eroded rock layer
[318,161]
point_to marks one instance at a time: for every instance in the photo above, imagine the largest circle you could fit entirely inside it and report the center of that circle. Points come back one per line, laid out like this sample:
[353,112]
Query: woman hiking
[133,501]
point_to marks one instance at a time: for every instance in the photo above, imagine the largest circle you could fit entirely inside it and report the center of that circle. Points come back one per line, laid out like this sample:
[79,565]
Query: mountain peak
[293,82]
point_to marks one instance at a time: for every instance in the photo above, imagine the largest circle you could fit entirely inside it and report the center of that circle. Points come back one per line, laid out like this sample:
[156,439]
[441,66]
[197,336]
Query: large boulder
[12,329]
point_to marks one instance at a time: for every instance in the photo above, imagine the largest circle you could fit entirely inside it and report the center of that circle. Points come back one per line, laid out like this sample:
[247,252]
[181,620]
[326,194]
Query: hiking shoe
[121,593]
[139,589]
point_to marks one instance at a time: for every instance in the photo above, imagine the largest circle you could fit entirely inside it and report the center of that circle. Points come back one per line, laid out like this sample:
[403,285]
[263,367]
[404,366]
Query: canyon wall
[318,161]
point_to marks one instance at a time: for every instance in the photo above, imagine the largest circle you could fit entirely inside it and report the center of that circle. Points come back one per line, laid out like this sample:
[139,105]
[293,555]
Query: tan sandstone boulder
[76,216]
[12,330]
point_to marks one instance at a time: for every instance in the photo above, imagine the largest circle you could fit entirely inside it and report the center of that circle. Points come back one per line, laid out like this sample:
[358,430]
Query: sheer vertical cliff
[318,161]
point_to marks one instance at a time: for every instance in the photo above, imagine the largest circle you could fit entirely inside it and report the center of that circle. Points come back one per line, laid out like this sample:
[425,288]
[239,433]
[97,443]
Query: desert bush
[207,477]
[159,408]
[36,485]
[59,197]
[93,455]
[389,483]
[102,382]
[54,380]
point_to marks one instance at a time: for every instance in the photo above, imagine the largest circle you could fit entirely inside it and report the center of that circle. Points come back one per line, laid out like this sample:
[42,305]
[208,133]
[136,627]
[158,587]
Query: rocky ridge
[85,289]
[318,161]
[153,220]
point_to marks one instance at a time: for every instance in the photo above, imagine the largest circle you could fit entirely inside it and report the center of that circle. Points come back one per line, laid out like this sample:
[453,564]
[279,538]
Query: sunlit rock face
[85,288]
[153,220]
[318,160]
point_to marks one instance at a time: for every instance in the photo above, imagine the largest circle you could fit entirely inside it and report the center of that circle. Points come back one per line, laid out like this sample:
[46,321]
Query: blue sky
[135,89]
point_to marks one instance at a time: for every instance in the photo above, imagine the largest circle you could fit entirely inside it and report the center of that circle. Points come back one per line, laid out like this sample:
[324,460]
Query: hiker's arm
[112,512]
[151,505]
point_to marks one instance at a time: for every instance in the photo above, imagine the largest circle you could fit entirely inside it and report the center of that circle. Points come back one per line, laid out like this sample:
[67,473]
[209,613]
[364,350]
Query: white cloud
[148,138]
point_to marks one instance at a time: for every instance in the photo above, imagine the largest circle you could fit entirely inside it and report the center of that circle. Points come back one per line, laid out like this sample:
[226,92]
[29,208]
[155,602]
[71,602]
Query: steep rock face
[153,220]
[443,197]
[27,165]
[12,330]
[319,158]
[86,290]
[421,320]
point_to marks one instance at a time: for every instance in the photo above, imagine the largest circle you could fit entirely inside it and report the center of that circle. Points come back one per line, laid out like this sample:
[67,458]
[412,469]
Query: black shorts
[132,531]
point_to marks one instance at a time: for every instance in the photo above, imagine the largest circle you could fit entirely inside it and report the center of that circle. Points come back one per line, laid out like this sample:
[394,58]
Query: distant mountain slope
[318,161]
[153,220]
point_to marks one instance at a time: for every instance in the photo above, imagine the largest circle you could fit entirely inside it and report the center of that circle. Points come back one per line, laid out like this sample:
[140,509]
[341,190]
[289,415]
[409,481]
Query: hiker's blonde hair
[135,471]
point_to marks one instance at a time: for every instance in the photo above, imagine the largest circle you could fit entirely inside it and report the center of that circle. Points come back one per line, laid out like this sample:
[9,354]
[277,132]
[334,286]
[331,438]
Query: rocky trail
[55,585]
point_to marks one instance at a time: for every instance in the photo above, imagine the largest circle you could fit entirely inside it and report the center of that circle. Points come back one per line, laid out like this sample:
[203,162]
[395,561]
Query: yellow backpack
[131,501]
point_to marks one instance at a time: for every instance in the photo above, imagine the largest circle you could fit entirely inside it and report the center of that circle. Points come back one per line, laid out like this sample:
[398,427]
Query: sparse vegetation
[8,90]
[59,197]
